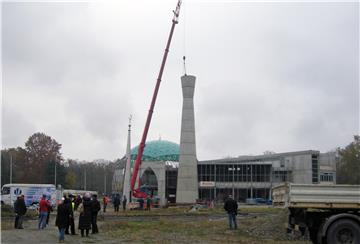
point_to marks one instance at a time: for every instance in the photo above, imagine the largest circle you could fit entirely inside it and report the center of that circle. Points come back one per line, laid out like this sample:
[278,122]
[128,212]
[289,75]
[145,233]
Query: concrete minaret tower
[187,181]
[126,189]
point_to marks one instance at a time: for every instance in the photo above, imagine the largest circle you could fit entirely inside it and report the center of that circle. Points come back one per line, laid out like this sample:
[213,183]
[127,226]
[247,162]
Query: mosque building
[173,173]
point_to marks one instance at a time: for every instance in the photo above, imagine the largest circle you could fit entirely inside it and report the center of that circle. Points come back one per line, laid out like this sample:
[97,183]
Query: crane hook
[184,65]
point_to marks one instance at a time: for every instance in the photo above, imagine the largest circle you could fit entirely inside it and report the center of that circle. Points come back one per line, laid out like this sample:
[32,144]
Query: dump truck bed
[317,196]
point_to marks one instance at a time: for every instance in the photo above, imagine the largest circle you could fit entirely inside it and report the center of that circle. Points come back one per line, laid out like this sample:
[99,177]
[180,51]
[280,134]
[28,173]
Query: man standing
[16,210]
[148,203]
[67,203]
[62,218]
[95,208]
[43,212]
[231,207]
[49,211]
[20,210]
[124,202]
[141,203]
[116,203]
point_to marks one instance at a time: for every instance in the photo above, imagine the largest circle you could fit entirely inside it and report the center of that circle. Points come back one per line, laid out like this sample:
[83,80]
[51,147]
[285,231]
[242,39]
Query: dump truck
[330,213]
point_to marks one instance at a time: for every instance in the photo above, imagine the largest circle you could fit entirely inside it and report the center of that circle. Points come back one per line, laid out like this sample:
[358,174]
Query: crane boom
[137,192]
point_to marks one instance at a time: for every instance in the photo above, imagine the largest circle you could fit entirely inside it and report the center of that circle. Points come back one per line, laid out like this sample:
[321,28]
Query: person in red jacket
[43,212]
[105,202]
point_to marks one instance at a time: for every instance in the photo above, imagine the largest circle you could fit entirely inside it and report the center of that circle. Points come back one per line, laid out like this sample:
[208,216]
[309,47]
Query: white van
[32,193]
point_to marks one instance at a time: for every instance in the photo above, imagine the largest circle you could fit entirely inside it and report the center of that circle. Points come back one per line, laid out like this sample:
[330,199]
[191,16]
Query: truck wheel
[343,231]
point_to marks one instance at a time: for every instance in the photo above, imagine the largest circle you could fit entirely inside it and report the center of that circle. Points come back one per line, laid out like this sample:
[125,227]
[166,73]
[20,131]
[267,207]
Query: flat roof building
[243,177]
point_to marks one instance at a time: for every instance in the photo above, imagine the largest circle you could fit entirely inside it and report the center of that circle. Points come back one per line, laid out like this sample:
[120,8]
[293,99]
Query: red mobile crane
[137,192]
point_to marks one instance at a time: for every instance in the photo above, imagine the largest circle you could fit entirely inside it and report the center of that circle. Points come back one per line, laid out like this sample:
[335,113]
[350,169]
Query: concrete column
[160,175]
[187,180]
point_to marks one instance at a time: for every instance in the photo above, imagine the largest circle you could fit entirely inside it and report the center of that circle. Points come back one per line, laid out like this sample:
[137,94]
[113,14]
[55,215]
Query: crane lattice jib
[137,192]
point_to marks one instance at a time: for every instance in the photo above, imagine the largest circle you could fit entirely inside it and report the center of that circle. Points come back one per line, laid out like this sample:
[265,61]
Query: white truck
[31,192]
[331,213]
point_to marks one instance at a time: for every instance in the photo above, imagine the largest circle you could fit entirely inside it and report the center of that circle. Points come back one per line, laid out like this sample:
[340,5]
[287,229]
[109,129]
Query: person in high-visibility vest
[72,217]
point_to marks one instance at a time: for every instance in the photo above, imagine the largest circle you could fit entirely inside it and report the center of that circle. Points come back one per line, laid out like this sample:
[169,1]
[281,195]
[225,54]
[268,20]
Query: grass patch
[262,229]
[202,211]
[6,224]
[260,209]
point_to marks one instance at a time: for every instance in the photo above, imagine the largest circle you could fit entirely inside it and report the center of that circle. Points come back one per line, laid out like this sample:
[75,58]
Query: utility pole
[55,173]
[271,182]
[215,182]
[233,178]
[85,181]
[105,180]
[10,168]
[251,179]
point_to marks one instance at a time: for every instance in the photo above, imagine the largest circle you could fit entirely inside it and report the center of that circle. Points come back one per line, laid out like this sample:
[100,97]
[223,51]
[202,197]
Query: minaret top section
[188,85]
[130,122]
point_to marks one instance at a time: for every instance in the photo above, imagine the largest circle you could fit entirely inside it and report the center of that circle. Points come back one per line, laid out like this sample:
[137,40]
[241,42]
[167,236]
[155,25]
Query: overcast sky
[278,76]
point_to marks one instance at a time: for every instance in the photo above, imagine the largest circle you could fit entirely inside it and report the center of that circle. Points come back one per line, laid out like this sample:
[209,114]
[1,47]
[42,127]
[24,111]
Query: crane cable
[184,36]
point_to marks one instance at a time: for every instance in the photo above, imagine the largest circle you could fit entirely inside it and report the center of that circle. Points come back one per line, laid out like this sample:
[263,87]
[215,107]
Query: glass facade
[241,180]
[315,168]
[234,173]
[239,194]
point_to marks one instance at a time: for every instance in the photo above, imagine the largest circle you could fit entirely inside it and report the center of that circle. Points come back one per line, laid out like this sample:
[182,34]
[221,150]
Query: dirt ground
[174,225]
[30,234]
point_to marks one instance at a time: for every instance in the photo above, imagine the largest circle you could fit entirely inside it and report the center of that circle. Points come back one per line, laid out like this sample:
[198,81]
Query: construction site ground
[257,224]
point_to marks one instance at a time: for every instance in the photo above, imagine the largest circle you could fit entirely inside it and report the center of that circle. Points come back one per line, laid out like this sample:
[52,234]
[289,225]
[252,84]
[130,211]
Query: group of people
[148,203]
[117,201]
[44,211]
[88,209]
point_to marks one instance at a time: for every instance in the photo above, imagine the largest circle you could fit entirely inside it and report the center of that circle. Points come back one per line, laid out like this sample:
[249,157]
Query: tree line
[348,168]
[41,157]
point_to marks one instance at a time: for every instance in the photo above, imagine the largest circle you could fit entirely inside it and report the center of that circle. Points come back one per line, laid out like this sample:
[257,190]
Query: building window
[206,172]
[327,177]
[5,190]
[282,163]
[315,168]
[281,176]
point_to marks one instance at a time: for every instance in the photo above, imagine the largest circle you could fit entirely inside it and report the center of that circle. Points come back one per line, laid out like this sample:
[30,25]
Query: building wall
[302,167]
[246,177]
[328,163]
[158,167]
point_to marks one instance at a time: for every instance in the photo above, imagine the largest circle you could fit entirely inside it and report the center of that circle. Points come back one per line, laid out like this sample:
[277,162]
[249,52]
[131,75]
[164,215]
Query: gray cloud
[270,76]
[18,123]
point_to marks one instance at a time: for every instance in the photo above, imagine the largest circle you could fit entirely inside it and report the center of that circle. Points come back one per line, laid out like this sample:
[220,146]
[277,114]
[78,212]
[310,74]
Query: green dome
[159,150]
